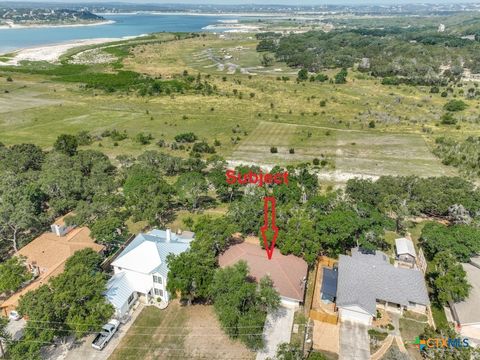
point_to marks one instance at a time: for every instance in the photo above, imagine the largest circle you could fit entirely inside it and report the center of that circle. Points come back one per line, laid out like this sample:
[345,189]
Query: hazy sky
[293,2]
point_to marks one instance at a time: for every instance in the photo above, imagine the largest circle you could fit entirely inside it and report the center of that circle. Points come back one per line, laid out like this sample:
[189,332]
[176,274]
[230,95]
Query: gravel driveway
[354,341]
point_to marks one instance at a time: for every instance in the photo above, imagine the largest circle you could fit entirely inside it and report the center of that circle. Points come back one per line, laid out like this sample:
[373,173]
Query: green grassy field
[251,111]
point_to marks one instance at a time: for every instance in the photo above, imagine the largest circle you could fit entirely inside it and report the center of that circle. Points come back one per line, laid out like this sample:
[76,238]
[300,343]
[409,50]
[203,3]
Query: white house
[140,271]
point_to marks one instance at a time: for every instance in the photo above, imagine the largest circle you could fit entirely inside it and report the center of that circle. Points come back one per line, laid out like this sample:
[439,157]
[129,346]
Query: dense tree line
[71,303]
[454,200]
[36,186]
[410,55]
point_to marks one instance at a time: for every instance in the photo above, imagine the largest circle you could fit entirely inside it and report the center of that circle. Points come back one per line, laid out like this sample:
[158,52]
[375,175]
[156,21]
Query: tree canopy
[71,303]
[13,273]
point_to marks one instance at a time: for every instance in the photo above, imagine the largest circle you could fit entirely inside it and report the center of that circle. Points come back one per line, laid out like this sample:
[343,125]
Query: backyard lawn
[178,332]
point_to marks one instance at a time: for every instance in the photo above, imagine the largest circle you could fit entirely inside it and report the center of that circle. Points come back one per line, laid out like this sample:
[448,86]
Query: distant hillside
[28,16]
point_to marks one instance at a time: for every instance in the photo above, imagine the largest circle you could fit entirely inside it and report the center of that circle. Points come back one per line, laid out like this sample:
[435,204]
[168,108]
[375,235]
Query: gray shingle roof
[365,278]
[468,311]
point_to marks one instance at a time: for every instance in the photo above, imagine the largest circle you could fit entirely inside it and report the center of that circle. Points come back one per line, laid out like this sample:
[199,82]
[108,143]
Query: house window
[157,279]
[158,292]
[130,299]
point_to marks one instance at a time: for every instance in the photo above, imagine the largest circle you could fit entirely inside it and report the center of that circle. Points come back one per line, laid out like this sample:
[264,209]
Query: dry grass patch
[178,332]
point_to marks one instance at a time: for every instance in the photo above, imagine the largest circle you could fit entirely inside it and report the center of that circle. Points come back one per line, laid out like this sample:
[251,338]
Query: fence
[421,261]
[323,317]
[108,261]
[316,312]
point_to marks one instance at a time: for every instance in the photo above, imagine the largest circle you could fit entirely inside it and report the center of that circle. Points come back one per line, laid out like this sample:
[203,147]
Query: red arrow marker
[269,224]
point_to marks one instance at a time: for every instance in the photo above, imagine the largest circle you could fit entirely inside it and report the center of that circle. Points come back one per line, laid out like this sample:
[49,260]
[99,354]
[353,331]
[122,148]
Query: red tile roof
[287,272]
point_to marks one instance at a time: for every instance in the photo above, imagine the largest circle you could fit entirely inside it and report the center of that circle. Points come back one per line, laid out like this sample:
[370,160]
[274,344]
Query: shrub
[66,144]
[302,75]
[321,77]
[116,135]
[434,90]
[291,151]
[341,77]
[9,79]
[84,138]
[323,103]
[189,137]
[371,124]
[316,161]
[217,142]
[143,139]
[273,150]
[203,147]
[448,119]
[455,105]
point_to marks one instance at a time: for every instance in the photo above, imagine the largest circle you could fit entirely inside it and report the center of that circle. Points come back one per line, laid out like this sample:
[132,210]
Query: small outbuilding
[405,251]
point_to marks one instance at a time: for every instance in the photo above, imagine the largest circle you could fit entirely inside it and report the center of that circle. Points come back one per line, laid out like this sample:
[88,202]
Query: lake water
[125,25]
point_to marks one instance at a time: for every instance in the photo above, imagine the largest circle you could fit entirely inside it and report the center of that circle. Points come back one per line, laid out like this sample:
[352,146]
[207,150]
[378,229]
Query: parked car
[108,330]
[14,315]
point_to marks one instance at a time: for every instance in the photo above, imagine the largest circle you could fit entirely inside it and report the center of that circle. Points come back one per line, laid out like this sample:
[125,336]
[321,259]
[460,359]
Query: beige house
[46,255]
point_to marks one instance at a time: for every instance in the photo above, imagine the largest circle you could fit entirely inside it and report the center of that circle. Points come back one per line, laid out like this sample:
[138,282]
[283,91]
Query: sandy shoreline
[52,53]
[36,26]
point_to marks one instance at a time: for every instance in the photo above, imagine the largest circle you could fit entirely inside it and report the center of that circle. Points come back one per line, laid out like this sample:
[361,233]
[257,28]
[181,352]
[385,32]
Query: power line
[137,334]
[151,327]
[147,348]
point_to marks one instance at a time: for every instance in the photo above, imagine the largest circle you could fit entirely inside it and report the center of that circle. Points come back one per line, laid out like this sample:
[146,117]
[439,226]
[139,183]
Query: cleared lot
[353,152]
[178,332]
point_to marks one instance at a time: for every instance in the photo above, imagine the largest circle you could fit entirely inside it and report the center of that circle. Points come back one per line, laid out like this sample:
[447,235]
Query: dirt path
[383,349]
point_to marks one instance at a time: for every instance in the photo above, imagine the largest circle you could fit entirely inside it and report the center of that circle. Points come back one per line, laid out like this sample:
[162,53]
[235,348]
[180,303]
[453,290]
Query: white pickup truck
[108,330]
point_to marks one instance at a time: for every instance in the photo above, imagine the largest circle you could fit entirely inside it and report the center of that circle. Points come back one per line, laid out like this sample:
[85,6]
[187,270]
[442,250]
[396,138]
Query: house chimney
[169,235]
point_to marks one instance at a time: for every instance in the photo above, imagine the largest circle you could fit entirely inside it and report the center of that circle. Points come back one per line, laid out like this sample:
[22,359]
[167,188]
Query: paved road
[278,329]
[354,341]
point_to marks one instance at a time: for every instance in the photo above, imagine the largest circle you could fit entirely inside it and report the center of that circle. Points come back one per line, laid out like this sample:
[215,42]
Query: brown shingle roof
[287,272]
[49,253]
